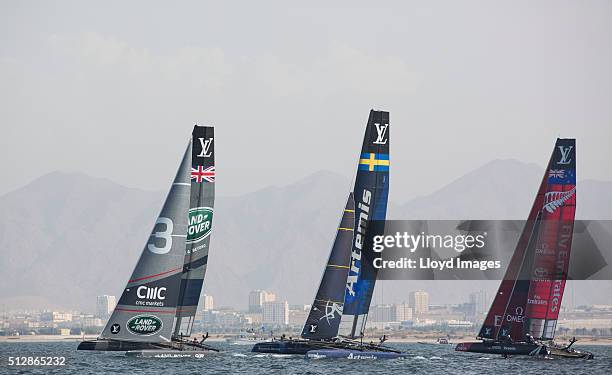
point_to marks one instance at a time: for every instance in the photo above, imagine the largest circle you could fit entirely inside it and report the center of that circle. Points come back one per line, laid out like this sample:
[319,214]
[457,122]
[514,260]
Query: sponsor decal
[206,153]
[372,162]
[497,321]
[381,137]
[556,173]
[331,309]
[555,199]
[540,272]
[518,316]
[313,328]
[360,356]
[157,294]
[565,155]
[144,325]
[201,174]
[115,329]
[200,224]
[364,212]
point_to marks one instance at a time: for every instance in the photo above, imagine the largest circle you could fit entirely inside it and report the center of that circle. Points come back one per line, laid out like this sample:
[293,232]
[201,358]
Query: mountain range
[68,237]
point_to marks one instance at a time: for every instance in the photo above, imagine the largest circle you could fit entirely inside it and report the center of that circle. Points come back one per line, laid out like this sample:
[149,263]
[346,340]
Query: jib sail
[326,311]
[371,192]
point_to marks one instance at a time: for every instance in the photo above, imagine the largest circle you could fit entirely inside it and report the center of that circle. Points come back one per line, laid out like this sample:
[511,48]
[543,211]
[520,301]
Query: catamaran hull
[501,348]
[352,354]
[118,346]
[145,349]
[286,347]
[169,353]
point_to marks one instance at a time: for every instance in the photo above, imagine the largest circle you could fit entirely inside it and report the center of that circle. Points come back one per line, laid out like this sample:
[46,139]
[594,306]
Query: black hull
[501,348]
[304,346]
[124,346]
[494,347]
[288,346]
[118,346]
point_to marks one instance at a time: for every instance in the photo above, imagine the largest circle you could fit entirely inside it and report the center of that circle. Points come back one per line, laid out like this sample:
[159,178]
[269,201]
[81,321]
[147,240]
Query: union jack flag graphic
[556,173]
[200,174]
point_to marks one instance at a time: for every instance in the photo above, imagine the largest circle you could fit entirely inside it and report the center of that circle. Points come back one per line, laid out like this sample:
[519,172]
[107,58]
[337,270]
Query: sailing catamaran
[347,284]
[524,313]
[156,311]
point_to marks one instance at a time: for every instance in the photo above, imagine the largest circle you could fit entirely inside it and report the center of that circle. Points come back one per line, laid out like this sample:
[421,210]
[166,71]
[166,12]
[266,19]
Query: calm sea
[237,359]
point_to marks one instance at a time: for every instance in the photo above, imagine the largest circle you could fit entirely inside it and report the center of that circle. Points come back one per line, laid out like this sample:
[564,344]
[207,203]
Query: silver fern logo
[556,199]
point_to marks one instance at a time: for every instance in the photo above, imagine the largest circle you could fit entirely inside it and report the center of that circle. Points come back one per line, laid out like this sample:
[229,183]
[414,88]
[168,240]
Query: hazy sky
[112,89]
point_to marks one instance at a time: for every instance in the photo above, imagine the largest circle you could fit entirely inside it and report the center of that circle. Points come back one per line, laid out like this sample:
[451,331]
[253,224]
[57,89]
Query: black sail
[325,314]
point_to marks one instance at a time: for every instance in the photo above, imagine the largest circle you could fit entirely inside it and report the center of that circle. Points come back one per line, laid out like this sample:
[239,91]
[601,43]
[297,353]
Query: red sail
[554,204]
[552,253]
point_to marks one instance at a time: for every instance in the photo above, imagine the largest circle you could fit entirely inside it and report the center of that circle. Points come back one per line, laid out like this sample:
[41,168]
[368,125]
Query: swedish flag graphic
[374,162]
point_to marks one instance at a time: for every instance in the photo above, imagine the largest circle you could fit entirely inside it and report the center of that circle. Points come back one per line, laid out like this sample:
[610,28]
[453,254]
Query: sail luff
[326,310]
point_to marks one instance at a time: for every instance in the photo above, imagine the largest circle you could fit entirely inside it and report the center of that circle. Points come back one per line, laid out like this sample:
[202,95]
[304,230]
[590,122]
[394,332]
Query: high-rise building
[419,301]
[105,306]
[382,313]
[479,299]
[207,303]
[275,313]
[390,313]
[257,299]
[403,312]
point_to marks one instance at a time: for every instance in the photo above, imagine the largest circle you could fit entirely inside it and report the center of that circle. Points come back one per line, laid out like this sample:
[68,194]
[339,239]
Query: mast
[145,312]
[201,207]
[371,192]
[326,311]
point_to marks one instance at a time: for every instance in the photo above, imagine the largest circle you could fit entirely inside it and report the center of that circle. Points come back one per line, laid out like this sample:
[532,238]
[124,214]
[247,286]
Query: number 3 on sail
[165,235]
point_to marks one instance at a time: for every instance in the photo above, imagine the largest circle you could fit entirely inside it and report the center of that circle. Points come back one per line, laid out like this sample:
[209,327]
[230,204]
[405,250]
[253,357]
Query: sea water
[235,359]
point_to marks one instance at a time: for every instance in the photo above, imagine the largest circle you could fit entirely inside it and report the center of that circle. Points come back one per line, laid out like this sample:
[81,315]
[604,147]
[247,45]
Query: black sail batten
[371,191]
[326,311]
[201,208]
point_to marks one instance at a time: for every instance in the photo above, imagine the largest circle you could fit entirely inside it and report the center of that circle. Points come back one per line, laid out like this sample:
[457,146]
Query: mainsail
[326,311]
[371,192]
[161,297]
[529,297]
[147,307]
[201,207]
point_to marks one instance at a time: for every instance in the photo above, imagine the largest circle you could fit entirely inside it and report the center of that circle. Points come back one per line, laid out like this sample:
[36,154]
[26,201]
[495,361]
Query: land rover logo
[144,325]
[200,224]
